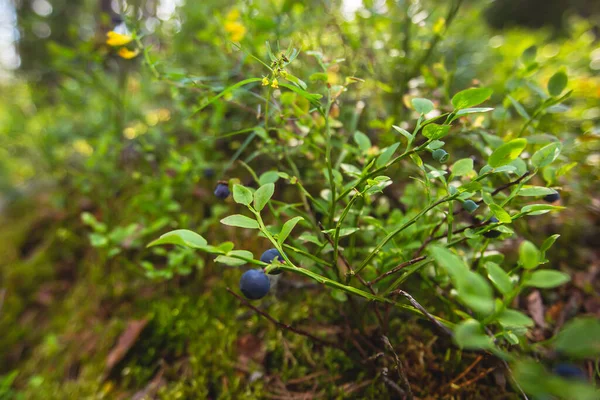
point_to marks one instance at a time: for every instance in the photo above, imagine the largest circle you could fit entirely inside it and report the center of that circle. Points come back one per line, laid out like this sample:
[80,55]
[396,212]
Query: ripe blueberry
[470,205]
[569,371]
[440,155]
[552,197]
[493,234]
[209,173]
[268,257]
[222,191]
[255,284]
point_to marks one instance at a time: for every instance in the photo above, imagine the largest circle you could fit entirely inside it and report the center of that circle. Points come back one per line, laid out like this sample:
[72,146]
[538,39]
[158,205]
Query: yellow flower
[236,30]
[265,81]
[275,84]
[127,54]
[284,73]
[116,39]
[233,15]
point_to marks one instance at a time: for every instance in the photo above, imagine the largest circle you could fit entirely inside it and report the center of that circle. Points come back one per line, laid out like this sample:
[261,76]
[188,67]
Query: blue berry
[209,173]
[569,371]
[470,205]
[255,284]
[493,234]
[222,191]
[440,155]
[552,197]
[268,257]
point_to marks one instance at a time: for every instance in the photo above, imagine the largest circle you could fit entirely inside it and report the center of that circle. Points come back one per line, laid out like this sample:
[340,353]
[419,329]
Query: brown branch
[285,326]
[498,190]
[430,238]
[467,370]
[360,278]
[399,366]
[396,269]
[424,311]
[478,377]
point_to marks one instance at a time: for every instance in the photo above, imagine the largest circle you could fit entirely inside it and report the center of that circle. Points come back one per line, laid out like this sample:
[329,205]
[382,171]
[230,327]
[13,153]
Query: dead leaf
[535,306]
[125,342]
[250,348]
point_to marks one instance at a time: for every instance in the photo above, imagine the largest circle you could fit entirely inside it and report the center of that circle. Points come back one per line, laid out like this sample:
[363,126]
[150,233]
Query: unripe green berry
[440,155]
[470,205]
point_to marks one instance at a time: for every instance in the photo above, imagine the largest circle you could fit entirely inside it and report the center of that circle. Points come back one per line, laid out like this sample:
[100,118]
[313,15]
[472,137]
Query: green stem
[381,169]
[391,235]
[329,163]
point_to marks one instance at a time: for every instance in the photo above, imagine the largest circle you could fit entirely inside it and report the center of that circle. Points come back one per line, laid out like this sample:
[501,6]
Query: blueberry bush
[299,200]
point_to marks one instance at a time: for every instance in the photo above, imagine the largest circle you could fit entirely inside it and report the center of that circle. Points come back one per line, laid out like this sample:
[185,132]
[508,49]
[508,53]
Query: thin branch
[399,366]
[284,326]
[498,190]
[467,370]
[478,377]
[430,238]
[360,278]
[424,311]
[509,184]
[396,269]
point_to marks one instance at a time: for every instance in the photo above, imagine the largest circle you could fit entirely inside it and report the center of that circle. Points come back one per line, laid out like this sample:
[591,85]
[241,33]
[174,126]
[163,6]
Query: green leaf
[471,97]
[232,261]
[541,384]
[98,240]
[362,140]
[474,110]
[242,195]
[240,221]
[499,277]
[351,170]
[386,155]
[404,132]
[297,81]
[529,54]
[557,83]
[499,213]
[539,209]
[269,177]
[224,92]
[475,292]
[262,196]
[435,144]
[519,107]
[548,243]
[422,106]
[434,131]
[181,237]
[546,155]
[535,191]
[580,338]
[287,229]
[514,318]
[470,335]
[313,98]
[311,238]
[529,255]
[446,259]
[462,167]
[343,231]
[547,279]
[507,152]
